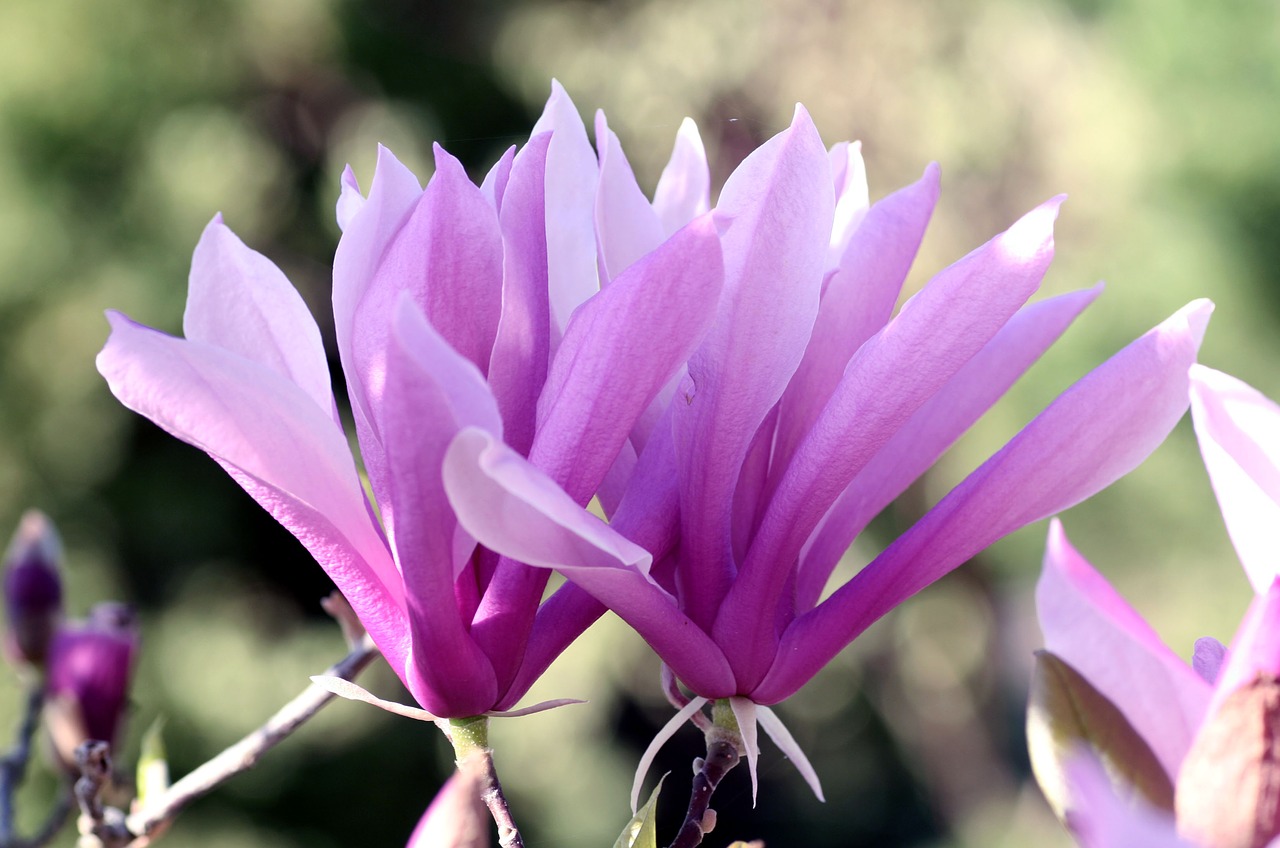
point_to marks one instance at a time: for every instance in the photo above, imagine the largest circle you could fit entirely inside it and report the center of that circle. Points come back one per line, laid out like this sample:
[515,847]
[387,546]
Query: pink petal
[572,173]
[286,451]
[852,197]
[933,428]
[517,511]
[350,200]
[561,619]
[684,189]
[521,351]
[237,299]
[1239,433]
[744,712]
[777,207]
[1097,431]
[668,730]
[626,225]
[1255,649]
[939,330]
[432,392]
[1099,818]
[494,186]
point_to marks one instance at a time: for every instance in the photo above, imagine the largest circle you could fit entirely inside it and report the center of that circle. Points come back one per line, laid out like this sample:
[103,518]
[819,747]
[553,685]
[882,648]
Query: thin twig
[13,767]
[244,754]
[722,756]
[495,800]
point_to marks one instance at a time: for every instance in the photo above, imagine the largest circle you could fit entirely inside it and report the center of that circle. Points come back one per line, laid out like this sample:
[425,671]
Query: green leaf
[1065,711]
[153,767]
[642,830]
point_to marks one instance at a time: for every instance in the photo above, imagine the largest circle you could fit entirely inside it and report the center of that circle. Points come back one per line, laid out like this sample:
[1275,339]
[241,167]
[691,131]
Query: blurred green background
[126,124]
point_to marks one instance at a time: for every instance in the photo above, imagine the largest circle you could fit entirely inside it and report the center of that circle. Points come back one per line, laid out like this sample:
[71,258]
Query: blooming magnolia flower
[805,411]
[454,306]
[1211,724]
[90,665]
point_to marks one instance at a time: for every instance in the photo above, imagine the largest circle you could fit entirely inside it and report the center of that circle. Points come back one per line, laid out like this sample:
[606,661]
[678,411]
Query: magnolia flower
[457,306]
[1192,758]
[90,665]
[32,588]
[805,410]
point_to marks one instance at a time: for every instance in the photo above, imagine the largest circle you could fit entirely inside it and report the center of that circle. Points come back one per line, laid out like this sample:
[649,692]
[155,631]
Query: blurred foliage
[124,126]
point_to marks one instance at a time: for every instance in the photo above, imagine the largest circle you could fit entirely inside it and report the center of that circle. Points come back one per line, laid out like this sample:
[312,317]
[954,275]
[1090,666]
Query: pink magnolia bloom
[517,307]
[1183,710]
[809,407]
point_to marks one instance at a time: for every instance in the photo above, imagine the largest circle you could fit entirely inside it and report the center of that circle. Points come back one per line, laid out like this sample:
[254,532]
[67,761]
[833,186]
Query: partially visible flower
[806,410]
[90,666]
[1212,725]
[32,588]
[547,306]
[456,817]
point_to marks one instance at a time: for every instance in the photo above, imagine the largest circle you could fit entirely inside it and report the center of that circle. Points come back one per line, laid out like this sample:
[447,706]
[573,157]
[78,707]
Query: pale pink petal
[517,511]
[1098,430]
[239,300]
[744,712]
[937,332]
[787,744]
[856,302]
[572,173]
[350,199]
[285,450]
[521,351]
[431,392]
[494,186]
[684,189]
[852,197]
[668,730]
[933,428]
[777,207]
[1255,649]
[1239,433]
[626,225]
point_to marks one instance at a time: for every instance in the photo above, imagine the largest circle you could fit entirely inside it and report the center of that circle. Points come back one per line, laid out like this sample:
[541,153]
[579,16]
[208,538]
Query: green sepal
[642,830]
[1066,712]
[153,765]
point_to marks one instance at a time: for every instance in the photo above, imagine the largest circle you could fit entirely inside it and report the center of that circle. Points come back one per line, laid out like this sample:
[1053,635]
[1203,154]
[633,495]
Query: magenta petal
[237,299]
[620,348]
[521,351]
[937,332]
[1239,433]
[684,189]
[431,391]
[1098,430]
[857,302]
[286,451]
[572,173]
[777,207]
[514,509]
[626,225]
[933,428]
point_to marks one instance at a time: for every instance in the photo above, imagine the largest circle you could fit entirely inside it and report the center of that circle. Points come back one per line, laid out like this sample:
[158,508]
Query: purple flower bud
[90,664]
[32,588]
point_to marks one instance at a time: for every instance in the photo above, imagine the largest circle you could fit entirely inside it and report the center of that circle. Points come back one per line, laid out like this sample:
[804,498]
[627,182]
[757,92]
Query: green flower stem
[470,738]
[724,744]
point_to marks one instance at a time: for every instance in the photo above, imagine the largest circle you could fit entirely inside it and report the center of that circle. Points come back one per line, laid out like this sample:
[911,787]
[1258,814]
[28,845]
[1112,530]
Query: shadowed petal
[514,509]
[1097,431]
[1239,434]
[282,448]
[1099,818]
[777,207]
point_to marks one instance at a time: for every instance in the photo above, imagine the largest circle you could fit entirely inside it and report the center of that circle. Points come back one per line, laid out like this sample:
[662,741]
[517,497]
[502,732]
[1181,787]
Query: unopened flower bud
[32,588]
[90,664]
